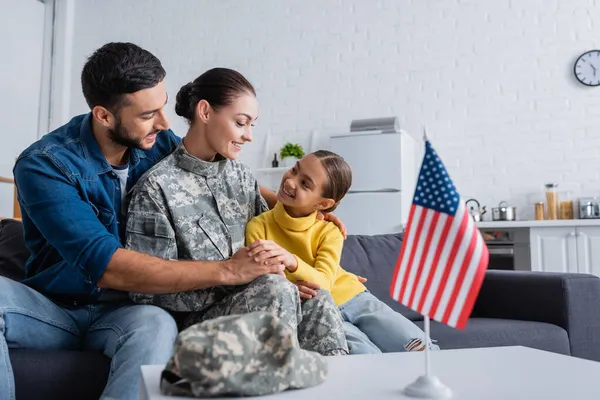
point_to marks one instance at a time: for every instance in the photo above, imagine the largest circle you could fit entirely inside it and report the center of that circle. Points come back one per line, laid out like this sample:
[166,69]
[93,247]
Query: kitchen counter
[537,224]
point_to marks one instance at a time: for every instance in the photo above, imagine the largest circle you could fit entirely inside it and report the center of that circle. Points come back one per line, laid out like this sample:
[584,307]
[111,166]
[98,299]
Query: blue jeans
[131,335]
[371,326]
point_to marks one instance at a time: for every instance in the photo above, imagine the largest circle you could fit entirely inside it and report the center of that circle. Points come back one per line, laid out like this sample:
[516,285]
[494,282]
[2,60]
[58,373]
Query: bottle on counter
[551,201]
[275,163]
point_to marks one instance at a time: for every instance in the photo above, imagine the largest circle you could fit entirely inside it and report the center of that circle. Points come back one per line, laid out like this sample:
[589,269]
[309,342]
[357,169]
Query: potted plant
[290,153]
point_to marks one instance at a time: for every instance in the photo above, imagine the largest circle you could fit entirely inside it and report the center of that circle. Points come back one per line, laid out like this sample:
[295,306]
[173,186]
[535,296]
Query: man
[70,189]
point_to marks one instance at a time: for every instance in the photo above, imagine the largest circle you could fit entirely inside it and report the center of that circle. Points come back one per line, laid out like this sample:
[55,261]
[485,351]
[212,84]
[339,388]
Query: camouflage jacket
[188,209]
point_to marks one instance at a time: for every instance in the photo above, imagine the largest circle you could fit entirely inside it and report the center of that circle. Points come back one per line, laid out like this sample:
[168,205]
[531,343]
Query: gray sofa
[549,311]
[554,312]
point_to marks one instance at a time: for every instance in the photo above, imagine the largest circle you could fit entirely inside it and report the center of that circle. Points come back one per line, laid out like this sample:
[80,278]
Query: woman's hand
[332,218]
[307,289]
[269,252]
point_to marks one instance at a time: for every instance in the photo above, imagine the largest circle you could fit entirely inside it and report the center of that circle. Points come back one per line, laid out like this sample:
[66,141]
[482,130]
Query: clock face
[587,68]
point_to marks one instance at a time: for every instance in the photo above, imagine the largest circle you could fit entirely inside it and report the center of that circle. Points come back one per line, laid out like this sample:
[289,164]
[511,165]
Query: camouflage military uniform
[188,209]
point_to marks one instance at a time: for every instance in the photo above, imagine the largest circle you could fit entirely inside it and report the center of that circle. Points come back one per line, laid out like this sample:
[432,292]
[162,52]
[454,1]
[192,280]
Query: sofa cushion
[488,332]
[13,252]
[59,374]
[374,257]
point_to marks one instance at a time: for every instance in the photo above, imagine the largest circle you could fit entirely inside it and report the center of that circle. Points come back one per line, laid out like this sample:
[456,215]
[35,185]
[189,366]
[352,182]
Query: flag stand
[428,386]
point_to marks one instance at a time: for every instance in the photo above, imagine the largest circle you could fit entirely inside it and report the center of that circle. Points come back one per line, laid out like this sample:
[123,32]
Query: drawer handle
[501,250]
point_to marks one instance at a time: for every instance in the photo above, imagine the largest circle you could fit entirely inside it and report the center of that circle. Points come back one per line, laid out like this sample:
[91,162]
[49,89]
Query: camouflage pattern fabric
[240,355]
[188,209]
[317,321]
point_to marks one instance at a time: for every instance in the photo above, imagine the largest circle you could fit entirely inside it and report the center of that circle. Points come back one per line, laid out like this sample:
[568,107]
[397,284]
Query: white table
[489,373]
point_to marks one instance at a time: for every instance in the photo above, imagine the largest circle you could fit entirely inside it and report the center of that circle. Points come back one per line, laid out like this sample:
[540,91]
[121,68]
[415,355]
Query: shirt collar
[92,152]
[284,220]
[197,166]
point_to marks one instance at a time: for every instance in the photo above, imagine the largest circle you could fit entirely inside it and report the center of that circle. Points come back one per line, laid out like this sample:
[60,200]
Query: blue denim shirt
[70,197]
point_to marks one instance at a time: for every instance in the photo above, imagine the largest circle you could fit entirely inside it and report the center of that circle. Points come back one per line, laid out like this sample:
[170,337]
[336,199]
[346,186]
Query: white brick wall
[492,80]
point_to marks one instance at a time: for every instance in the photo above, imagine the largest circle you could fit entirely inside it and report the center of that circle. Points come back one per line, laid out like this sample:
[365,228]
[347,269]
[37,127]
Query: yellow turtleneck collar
[285,221]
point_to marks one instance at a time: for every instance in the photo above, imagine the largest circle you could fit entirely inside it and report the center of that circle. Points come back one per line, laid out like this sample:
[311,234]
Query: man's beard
[120,136]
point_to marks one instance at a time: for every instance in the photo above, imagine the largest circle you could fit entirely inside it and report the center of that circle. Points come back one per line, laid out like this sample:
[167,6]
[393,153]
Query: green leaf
[291,150]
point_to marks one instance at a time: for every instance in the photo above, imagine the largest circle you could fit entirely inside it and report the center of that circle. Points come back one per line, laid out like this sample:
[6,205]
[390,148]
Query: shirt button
[118,188]
[74,303]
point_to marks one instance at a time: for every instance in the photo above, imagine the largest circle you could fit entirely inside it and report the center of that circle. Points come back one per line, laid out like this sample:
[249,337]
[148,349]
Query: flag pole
[427,339]
[428,386]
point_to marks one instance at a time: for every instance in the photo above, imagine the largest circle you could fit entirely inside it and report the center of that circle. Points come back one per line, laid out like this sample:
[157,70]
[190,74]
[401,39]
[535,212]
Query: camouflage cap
[240,355]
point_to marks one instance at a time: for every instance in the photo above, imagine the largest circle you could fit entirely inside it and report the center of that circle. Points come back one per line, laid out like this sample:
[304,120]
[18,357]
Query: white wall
[21,47]
[492,80]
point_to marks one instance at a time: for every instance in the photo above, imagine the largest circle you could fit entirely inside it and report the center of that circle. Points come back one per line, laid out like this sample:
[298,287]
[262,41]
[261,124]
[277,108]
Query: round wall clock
[587,68]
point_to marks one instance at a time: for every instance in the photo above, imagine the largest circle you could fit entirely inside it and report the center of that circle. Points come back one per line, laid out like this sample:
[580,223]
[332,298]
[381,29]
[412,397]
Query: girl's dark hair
[339,176]
[218,86]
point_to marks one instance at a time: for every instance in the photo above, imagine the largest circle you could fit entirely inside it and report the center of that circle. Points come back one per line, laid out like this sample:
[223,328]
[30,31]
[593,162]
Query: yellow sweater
[317,246]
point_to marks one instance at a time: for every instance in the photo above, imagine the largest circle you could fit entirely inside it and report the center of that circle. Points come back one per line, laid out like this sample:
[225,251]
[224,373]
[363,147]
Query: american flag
[443,258]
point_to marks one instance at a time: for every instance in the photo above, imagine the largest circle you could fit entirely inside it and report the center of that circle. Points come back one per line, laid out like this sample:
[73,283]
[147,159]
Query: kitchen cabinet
[588,250]
[566,249]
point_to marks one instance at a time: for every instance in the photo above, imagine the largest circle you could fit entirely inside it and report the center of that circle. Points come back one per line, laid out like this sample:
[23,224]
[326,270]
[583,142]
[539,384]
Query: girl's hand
[269,252]
[361,279]
[307,290]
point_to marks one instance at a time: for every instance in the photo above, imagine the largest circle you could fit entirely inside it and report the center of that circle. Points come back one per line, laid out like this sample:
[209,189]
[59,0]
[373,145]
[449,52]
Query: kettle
[476,210]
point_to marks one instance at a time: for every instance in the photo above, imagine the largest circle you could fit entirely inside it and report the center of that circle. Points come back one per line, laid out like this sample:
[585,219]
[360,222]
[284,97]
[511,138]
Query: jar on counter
[552,201]
[565,206]
[539,211]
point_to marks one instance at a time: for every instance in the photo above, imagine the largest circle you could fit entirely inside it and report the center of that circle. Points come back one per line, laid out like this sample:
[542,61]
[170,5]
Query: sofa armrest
[571,301]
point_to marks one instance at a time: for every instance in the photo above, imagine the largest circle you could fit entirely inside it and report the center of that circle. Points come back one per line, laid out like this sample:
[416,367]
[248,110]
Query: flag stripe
[462,270]
[436,259]
[420,279]
[452,272]
[443,260]
[422,243]
[465,288]
[475,286]
[419,217]
[456,241]
[402,261]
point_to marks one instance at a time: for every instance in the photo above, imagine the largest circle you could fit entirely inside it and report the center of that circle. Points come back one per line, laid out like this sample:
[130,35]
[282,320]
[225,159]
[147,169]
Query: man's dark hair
[117,69]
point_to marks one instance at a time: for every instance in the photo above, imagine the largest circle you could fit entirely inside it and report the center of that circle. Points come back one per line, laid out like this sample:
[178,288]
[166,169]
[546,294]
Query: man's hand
[241,268]
[361,279]
[307,289]
[332,218]
[269,252]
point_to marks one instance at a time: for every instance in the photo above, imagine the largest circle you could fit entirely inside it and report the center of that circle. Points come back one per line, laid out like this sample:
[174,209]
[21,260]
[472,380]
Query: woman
[194,205]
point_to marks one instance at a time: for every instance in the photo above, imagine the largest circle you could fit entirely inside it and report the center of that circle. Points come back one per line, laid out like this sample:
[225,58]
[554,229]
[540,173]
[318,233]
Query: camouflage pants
[317,321]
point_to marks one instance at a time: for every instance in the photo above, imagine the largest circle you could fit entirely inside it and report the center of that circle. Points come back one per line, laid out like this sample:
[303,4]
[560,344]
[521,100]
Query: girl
[310,250]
